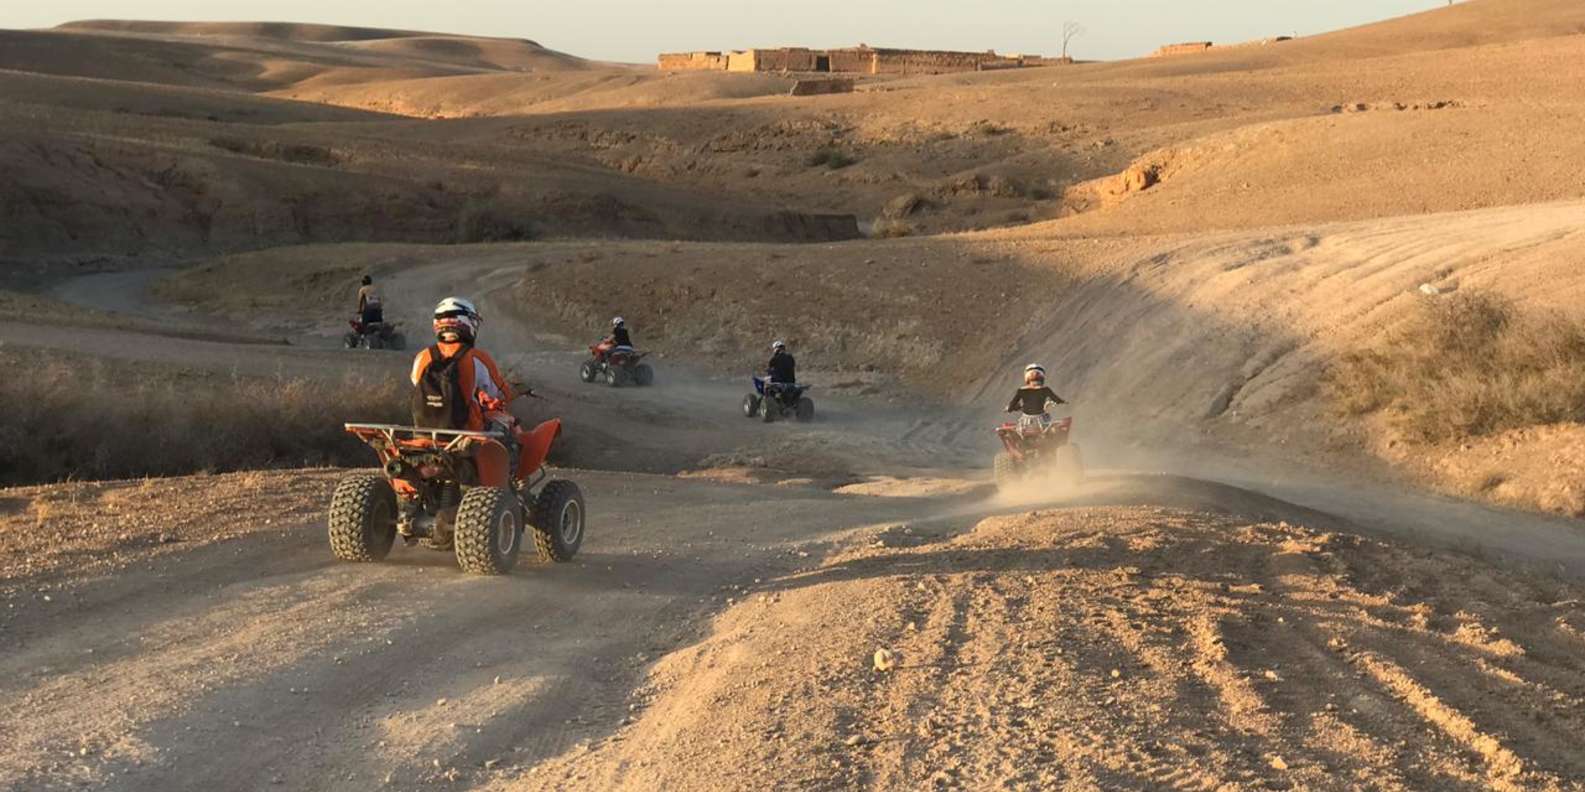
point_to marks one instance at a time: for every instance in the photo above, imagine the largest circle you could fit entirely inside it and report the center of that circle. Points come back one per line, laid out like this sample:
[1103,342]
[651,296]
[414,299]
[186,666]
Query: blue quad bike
[771,401]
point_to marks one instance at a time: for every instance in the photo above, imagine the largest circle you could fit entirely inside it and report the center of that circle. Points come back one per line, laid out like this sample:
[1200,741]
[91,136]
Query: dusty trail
[255,662]
[261,652]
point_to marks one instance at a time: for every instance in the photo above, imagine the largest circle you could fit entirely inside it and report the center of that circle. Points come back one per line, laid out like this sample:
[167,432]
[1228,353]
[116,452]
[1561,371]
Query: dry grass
[891,228]
[78,418]
[297,153]
[830,157]
[487,219]
[1468,365]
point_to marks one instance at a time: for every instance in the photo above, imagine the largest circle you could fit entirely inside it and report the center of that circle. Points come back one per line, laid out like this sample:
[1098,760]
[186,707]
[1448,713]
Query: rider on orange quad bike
[617,340]
[458,386]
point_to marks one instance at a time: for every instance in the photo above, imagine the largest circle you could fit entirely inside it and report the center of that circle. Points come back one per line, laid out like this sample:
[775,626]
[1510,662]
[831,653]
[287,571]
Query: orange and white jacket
[483,376]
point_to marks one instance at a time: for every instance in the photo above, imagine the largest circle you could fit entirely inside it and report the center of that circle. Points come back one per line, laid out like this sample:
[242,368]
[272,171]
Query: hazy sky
[635,30]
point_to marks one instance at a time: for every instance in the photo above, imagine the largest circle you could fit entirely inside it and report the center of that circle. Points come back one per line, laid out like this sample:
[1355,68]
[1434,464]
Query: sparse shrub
[486,220]
[905,205]
[83,418]
[1004,187]
[991,128]
[1467,365]
[891,228]
[831,157]
[299,153]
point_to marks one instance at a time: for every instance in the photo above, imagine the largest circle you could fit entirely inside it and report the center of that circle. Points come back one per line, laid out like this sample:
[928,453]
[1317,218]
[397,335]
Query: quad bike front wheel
[643,375]
[396,341]
[613,376]
[489,531]
[375,342]
[750,405]
[558,520]
[805,411]
[351,340]
[362,518]
[1005,470]
[587,372]
[768,409]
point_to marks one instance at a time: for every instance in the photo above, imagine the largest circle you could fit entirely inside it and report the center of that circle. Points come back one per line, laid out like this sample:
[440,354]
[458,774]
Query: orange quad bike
[616,365]
[1032,446]
[429,492]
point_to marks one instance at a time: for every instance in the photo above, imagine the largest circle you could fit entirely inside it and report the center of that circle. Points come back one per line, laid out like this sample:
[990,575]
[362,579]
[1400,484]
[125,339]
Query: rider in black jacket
[782,369]
[1033,397]
[619,336]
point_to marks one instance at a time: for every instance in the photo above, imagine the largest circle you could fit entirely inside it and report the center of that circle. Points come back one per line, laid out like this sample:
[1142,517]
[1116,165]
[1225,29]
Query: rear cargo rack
[391,431]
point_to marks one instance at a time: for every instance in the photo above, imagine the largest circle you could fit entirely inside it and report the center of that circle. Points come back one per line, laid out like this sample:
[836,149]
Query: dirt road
[210,642]
[258,660]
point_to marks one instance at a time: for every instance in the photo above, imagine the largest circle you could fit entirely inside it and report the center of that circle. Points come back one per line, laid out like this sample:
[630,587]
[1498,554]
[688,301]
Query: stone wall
[785,59]
[826,86]
[852,61]
[692,61]
[1186,48]
[1196,47]
[895,61]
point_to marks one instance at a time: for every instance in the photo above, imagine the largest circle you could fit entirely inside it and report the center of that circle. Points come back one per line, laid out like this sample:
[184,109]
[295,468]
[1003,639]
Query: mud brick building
[853,60]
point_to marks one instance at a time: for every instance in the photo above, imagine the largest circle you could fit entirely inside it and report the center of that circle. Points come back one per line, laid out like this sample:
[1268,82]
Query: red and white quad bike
[374,335]
[1032,448]
[616,366]
[428,491]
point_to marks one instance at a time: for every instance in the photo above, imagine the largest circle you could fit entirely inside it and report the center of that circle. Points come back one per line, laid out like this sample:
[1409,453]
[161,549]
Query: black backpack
[438,400]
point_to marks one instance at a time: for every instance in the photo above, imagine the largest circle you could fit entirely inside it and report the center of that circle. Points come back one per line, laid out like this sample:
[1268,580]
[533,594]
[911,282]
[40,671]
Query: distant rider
[369,310]
[618,340]
[458,386]
[619,337]
[782,369]
[1033,398]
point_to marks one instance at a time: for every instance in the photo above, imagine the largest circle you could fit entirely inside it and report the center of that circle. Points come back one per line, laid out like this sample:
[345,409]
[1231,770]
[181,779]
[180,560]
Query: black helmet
[367,280]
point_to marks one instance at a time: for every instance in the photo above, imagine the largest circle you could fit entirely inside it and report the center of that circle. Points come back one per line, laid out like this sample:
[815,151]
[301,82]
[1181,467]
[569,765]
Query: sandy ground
[1138,647]
[193,633]
[1146,632]
[1238,598]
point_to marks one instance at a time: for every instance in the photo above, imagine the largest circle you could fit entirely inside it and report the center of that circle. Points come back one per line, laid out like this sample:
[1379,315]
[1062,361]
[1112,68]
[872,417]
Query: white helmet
[1034,371]
[618,322]
[457,320]
[778,345]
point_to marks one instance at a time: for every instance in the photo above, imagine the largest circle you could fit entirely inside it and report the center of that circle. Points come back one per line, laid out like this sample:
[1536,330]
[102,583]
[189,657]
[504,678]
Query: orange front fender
[534,446]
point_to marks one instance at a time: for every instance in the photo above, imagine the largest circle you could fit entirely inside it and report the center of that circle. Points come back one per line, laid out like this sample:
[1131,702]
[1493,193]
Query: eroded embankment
[1119,647]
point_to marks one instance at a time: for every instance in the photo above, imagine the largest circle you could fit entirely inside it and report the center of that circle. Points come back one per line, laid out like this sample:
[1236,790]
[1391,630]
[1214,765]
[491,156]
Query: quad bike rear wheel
[805,410]
[557,520]
[587,372]
[1005,470]
[489,531]
[750,405]
[362,518]
[643,375]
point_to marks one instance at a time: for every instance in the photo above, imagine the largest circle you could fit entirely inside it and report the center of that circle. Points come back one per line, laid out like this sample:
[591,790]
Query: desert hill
[1315,307]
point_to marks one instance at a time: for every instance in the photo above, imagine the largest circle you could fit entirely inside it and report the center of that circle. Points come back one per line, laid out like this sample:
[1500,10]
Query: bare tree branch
[1070,31]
